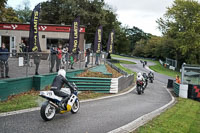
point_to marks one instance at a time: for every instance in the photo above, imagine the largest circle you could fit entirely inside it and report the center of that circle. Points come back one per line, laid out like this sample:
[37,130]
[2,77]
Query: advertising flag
[110,44]
[98,40]
[34,44]
[74,36]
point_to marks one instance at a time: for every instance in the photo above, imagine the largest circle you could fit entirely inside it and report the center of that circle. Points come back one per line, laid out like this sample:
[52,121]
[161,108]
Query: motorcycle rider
[58,83]
[141,78]
[150,74]
[145,79]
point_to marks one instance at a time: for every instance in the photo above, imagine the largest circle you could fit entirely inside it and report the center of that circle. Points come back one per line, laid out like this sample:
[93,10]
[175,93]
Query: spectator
[4,55]
[53,58]
[22,47]
[72,60]
[178,80]
[87,57]
[65,56]
[59,57]
[36,57]
[97,58]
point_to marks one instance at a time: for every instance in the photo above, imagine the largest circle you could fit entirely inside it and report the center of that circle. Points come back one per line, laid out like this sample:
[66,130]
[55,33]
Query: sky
[140,13]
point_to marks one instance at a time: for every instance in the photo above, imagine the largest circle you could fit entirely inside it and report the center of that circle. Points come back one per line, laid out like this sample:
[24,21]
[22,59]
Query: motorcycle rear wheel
[47,111]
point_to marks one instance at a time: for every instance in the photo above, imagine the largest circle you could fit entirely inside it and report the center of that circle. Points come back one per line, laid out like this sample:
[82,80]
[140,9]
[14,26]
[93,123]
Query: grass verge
[184,117]
[160,69]
[32,99]
[157,68]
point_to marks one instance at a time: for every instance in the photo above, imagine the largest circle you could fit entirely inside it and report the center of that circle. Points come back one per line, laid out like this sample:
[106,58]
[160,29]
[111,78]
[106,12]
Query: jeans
[4,64]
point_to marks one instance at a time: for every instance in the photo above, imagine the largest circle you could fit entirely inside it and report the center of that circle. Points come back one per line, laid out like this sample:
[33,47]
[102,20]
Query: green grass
[157,68]
[184,117]
[126,69]
[91,95]
[32,99]
[160,69]
[124,61]
[21,102]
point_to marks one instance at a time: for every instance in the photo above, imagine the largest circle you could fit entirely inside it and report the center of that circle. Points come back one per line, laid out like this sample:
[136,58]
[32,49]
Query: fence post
[27,63]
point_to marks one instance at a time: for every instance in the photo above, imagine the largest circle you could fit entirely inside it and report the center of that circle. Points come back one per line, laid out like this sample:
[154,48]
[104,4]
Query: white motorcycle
[51,106]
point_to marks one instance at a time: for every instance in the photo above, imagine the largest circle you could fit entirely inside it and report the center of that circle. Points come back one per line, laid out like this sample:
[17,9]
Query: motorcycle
[51,107]
[151,79]
[146,80]
[140,87]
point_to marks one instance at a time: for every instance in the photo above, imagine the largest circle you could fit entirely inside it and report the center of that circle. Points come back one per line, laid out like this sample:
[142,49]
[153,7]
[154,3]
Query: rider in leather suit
[58,83]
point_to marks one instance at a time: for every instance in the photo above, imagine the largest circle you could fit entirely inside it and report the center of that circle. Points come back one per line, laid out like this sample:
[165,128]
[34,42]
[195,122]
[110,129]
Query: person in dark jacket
[53,58]
[58,83]
[87,57]
[37,59]
[4,55]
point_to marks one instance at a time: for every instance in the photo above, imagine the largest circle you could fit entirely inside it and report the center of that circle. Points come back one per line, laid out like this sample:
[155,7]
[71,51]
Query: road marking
[83,101]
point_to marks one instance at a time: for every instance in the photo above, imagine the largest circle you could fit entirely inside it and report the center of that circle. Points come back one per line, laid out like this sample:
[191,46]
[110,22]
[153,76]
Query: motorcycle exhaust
[53,104]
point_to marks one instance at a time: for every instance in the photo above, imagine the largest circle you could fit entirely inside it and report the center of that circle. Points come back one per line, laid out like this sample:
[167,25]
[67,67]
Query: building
[49,35]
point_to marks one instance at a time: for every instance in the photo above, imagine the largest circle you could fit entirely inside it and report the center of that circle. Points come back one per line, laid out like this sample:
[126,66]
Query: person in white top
[140,77]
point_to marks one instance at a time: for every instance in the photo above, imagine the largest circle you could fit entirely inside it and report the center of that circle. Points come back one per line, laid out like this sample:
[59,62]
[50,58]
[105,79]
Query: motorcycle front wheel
[47,111]
[75,107]
[139,89]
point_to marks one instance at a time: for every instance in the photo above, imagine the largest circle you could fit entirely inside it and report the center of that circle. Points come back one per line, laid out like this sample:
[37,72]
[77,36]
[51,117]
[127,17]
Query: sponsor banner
[74,36]
[98,40]
[34,44]
[110,44]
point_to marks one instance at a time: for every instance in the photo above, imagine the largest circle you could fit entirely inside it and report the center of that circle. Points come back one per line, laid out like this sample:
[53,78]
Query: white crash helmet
[139,74]
[62,72]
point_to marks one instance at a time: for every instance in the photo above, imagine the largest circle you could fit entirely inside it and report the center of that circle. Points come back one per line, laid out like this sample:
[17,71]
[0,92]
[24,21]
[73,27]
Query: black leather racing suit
[57,84]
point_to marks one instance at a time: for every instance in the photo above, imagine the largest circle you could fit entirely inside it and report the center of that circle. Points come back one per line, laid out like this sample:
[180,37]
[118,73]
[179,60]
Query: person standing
[4,55]
[36,57]
[22,47]
[97,58]
[59,57]
[87,57]
[178,80]
[53,58]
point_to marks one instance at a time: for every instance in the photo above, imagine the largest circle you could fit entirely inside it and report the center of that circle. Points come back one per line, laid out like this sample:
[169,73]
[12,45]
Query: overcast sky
[140,13]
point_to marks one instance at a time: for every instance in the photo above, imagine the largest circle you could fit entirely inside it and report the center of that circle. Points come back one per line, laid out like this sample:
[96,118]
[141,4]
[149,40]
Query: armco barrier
[125,81]
[92,84]
[105,85]
[176,87]
[15,86]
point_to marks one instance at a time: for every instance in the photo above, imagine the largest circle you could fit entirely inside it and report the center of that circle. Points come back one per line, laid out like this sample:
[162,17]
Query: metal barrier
[25,64]
[116,68]
[176,88]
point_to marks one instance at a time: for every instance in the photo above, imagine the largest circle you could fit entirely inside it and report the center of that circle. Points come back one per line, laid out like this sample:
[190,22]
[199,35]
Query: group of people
[61,56]
[87,59]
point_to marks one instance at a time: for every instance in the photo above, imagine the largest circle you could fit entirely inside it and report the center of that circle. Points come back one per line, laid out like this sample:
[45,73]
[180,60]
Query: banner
[74,36]
[98,40]
[34,44]
[110,44]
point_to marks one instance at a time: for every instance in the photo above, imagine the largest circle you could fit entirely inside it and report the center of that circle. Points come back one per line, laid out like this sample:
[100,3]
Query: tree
[181,24]
[135,34]
[92,13]
[24,12]
[9,15]
[2,8]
